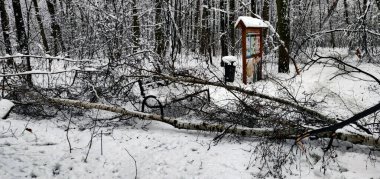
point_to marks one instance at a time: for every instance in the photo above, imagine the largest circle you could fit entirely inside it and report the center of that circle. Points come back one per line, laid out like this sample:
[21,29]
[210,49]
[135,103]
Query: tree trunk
[6,30]
[231,129]
[364,44]
[197,24]
[21,37]
[332,35]
[158,32]
[205,33]
[265,15]
[136,27]
[214,29]
[346,13]
[283,29]
[41,26]
[332,40]
[223,36]
[253,8]
[56,29]
[20,28]
[231,28]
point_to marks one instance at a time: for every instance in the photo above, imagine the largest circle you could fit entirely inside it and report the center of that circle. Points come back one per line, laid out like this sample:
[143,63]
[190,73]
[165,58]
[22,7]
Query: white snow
[251,22]
[5,107]
[229,59]
[160,151]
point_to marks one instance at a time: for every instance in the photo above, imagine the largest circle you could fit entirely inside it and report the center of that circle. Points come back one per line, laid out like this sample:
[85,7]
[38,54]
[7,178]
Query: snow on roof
[251,22]
[5,107]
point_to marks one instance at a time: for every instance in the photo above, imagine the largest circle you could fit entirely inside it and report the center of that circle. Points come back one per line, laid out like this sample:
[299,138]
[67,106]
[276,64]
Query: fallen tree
[231,129]
[193,80]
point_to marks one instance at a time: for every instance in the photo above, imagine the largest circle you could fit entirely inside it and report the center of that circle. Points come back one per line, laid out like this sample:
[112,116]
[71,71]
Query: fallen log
[241,131]
[311,112]
[171,121]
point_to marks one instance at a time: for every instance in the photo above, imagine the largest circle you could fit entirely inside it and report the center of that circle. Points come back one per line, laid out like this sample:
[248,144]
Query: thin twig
[67,131]
[133,160]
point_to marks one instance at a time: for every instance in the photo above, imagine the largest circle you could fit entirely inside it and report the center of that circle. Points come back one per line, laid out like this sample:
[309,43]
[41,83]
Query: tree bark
[231,129]
[158,32]
[41,26]
[330,12]
[197,25]
[364,43]
[56,29]
[21,37]
[283,29]
[265,16]
[136,27]
[223,36]
[253,8]
[205,31]
[20,28]
[6,30]
[346,12]
[231,28]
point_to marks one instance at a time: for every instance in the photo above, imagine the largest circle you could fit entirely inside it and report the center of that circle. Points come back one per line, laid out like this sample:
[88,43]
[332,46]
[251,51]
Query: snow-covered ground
[39,148]
[160,151]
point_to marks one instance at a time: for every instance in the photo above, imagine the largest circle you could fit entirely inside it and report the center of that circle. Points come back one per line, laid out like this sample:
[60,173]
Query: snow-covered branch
[42,57]
[253,132]
[38,72]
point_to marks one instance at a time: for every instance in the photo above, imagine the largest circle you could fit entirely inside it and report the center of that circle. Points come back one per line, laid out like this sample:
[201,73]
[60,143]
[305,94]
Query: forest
[190,88]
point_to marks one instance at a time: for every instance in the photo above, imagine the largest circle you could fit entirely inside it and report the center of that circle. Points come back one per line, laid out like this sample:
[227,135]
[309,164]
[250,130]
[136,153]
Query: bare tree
[56,29]
[283,30]
[6,30]
[41,26]
[22,40]
[223,35]
[159,34]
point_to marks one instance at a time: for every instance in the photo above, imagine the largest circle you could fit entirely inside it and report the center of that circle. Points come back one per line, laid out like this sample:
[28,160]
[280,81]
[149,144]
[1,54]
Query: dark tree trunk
[265,14]
[158,32]
[223,36]
[21,36]
[346,13]
[332,35]
[56,29]
[197,24]
[253,8]
[311,17]
[214,26]
[6,30]
[41,26]
[180,23]
[205,34]
[364,26]
[136,27]
[332,40]
[284,32]
[20,28]
[231,26]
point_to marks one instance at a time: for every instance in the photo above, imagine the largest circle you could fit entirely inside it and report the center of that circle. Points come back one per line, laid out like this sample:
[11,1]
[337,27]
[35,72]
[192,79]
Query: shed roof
[250,22]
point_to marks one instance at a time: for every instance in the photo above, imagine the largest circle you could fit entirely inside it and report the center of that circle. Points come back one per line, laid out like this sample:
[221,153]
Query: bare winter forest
[190,89]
